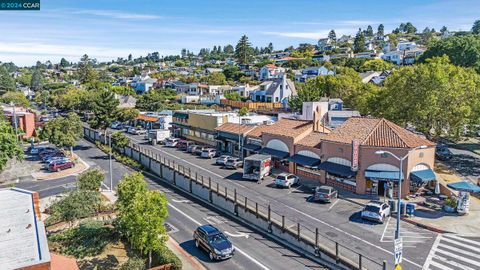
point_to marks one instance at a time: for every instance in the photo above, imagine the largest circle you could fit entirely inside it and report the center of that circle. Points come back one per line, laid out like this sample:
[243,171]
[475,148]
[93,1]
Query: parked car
[208,153]
[183,145]
[52,155]
[214,242]
[171,142]
[191,148]
[39,149]
[221,160]
[199,150]
[137,131]
[46,152]
[59,158]
[233,163]
[325,194]
[376,211]
[116,125]
[286,180]
[60,165]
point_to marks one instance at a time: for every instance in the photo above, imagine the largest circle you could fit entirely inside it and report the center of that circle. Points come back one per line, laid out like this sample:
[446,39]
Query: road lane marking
[433,249]
[236,248]
[333,204]
[296,210]
[238,234]
[384,230]
[180,201]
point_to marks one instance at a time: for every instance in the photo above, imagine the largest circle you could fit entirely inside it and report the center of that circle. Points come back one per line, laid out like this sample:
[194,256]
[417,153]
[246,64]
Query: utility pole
[110,163]
[14,120]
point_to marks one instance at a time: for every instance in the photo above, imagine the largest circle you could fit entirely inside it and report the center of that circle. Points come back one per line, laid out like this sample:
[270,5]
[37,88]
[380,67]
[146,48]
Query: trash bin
[393,205]
[410,209]
[154,142]
[403,208]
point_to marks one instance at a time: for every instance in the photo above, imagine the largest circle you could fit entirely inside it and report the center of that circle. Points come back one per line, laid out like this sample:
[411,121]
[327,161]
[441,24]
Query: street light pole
[110,162]
[240,154]
[14,120]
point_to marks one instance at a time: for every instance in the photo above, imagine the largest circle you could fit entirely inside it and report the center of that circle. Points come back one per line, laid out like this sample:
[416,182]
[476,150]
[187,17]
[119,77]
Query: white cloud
[305,35]
[114,14]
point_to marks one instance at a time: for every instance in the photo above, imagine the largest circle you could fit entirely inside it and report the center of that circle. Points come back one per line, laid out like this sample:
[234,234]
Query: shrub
[134,264]
[89,239]
[77,204]
[451,201]
[165,256]
[90,180]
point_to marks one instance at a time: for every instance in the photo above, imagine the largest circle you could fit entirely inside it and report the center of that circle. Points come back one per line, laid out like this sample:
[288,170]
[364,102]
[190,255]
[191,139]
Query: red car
[60,165]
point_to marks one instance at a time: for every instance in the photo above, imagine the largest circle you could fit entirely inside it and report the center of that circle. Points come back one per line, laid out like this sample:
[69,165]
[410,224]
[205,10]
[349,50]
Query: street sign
[398,267]
[398,251]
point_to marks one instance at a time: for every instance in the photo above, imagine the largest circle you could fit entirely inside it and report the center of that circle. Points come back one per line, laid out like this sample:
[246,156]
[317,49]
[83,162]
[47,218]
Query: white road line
[305,214]
[461,239]
[333,204]
[452,263]
[236,248]
[461,251]
[429,261]
[385,229]
[470,247]
[438,265]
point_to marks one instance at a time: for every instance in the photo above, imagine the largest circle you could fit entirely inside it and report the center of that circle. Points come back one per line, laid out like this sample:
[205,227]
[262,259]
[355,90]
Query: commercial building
[25,120]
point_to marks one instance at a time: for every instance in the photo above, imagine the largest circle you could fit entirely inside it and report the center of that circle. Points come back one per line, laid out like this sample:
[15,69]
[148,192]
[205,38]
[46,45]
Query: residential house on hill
[313,72]
[326,44]
[277,90]
[270,71]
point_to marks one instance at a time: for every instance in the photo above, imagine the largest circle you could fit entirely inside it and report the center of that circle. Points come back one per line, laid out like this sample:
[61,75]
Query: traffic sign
[398,250]
[398,267]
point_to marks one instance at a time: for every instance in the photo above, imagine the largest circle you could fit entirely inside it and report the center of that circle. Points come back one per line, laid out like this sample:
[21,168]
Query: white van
[171,142]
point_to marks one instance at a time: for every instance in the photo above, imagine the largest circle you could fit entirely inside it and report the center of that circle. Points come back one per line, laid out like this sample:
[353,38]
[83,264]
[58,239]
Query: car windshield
[323,190]
[217,238]
[281,177]
[372,208]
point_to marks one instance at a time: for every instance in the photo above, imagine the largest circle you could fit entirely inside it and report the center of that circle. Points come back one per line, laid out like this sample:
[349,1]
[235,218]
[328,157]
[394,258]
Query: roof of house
[274,85]
[270,66]
[377,132]
[258,130]
[289,127]
[313,139]
[235,128]
[23,240]
[60,262]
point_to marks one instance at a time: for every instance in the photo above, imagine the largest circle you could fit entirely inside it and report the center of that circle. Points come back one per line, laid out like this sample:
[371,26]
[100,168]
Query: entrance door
[381,187]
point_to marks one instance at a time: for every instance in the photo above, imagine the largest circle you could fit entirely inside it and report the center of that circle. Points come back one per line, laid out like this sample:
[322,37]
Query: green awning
[304,160]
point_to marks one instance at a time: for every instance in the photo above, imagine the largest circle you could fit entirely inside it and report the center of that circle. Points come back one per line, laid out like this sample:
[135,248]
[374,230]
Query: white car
[208,153]
[286,180]
[376,211]
[222,160]
[171,142]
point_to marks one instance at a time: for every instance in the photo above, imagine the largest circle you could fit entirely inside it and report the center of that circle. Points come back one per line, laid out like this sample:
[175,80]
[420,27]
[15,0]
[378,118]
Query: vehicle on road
[221,160]
[208,153]
[376,211]
[191,148]
[52,155]
[199,149]
[155,136]
[233,163]
[116,125]
[60,165]
[325,194]
[256,167]
[137,131]
[184,145]
[286,180]
[171,142]
[214,242]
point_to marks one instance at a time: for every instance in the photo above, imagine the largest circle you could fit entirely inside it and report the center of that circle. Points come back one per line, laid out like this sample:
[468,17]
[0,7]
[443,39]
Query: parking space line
[385,229]
[333,204]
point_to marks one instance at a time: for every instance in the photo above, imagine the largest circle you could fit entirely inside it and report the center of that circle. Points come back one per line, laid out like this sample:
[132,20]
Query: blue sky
[107,29]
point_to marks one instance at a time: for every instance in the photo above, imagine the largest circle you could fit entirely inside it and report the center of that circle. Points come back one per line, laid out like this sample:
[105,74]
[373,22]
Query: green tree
[216,78]
[436,97]
[381,30]
[77,204]
[332,35]
[74,99]
[270,47]
[9,145]
[119,140]
[18,98]
[127,114]
[86,71]
[359,42]
[462,51]
[36,81]
[244,50]
[143,222]
[130,186]
[232,95]
[7,83]
[64,63]
[376,65]
[232,73]
[409,28]
[443,29]
[369,31]
[155,100]
[90,180]
[243,111]
[104,108]
[476,27]
[228,49]
[63,132]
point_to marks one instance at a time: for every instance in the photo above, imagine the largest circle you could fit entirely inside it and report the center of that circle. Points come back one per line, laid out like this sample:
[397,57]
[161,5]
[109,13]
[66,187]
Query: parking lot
[338,221]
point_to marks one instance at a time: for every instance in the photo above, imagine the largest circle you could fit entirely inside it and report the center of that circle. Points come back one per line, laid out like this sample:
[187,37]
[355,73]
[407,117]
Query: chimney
[284,86]
[317,119]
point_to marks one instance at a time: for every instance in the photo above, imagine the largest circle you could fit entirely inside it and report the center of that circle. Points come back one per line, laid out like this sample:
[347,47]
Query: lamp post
[399,200]
[110,162]
[14,115]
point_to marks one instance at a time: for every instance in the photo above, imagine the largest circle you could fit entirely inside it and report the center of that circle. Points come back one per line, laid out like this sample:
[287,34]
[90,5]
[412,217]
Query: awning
[274,153]
[304,160]
[464,186]
[382,175]
[180,115]
[422,176]
[251,147]
[337,169]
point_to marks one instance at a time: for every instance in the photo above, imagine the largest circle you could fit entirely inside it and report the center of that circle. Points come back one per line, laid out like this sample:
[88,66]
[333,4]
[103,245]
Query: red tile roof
[147,118]
[376,132]
[289,127]
[313,139]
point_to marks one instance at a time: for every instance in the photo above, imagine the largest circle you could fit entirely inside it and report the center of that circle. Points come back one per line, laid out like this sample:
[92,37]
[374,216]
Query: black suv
[214,242]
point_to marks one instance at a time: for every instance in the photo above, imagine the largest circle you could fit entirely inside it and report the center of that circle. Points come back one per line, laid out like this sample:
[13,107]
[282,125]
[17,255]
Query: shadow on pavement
[355,217]
[189,246]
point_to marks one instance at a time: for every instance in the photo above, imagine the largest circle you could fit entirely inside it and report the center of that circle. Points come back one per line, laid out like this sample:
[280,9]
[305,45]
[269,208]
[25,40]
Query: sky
[107,29]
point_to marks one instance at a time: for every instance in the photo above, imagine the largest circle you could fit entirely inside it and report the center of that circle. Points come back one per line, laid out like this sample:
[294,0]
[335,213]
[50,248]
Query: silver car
[222,160]
[376,211]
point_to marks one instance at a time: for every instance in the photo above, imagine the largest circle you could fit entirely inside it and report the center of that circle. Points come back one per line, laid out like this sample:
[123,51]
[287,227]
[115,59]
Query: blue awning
[464,186]
[382,175]
[304,160]
[422,176]
[274,153]
[251,147]
[337,169]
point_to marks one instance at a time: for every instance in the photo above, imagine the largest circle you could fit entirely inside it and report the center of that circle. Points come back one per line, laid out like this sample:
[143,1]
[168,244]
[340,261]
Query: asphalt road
[254,251]
[338,221]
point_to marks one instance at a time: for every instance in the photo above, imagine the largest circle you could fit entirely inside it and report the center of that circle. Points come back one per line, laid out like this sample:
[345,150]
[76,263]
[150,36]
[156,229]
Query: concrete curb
[189,262]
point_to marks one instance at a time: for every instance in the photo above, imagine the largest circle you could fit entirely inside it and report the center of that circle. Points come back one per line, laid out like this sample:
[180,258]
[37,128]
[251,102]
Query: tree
[119,140]
[443,29]
[216,78]
[130,186]
[381,30]
[90,180]
[332,35]
[127,114]
[359,42]
[36,82]
[462,51]
[270,47]
[243,50]
[63,132]
[86,72]
[64,63]
[18,98]
[376,65]
[105,110]
[155,100]
[436,97]
[74,99]
[476,27]
[77,204]
[402,28]
[228,49]
[7,83]
[243,111]
[9,145]
[409,28]
[232,73]
[369,31]
[231,95]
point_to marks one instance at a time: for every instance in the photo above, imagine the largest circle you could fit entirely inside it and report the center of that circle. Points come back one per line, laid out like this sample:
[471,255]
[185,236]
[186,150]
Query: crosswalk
[454,252]
[410,234]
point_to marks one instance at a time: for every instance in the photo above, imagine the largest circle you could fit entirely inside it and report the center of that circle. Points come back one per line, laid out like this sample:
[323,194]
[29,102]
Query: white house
[325,44]
[313,72]
[402,46]
[276,90]
[270,71]
[244,90]
[214,90]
